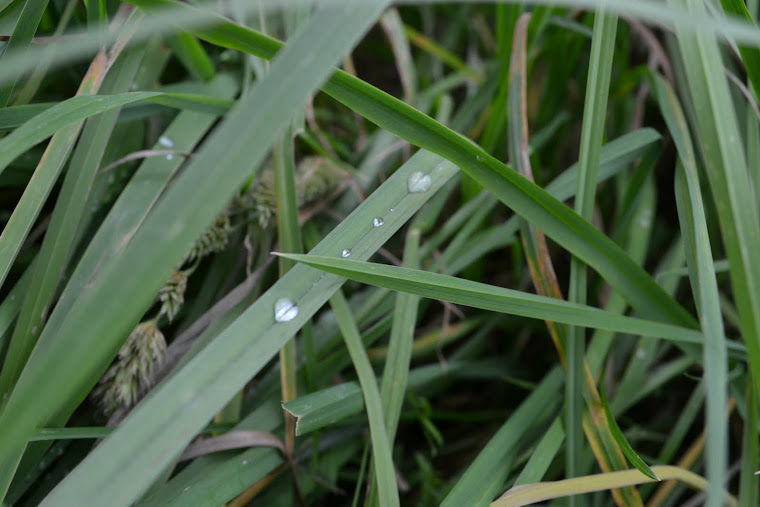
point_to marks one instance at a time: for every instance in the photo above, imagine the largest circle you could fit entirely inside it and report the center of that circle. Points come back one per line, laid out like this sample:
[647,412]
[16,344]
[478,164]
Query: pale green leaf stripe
[60,115]
[498,299]
[113,470]
[385,476]
[525,198]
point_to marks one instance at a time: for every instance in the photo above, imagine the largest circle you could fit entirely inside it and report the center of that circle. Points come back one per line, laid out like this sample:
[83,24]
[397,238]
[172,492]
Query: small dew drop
[377,221]
[640,354]
[480,158]
[169,156]
[165,141]
[345,253]
[419,182]
[245,462]
[285,310]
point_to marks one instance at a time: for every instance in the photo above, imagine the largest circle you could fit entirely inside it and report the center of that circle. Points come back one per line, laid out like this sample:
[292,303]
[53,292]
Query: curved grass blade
[634,458]
[384,473]
[534,493]
[485,477]
[59,116]
[705,288]
[488,297]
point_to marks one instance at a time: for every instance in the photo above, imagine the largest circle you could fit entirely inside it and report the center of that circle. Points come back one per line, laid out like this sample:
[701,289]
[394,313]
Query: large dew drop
[165,141]
[285,310]
[419,182]
[377,221]
[345,253]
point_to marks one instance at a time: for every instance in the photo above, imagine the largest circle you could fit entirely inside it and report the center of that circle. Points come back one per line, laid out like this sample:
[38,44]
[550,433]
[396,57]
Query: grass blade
[488,297]
[385,476]
[592,134]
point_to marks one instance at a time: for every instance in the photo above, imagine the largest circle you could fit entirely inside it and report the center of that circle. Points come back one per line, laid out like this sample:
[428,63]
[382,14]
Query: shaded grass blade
[485,477]
[385,476]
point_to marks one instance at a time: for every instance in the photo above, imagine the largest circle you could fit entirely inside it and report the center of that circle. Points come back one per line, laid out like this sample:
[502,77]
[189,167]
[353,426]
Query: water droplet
[345,253]
[169,156]
[165,141]
[285,310]
[377,221]
[419,182]
[245,462]
[640,354]
[480,158]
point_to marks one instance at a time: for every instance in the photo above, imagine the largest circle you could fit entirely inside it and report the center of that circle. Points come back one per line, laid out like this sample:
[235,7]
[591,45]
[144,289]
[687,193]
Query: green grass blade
[622,442]
[705,288]
[488,297]
[726,166]
[193,56]
[59,238]
[484,478]
[750,54]
[21,39]
[63,114]
[385,475]
[592,135]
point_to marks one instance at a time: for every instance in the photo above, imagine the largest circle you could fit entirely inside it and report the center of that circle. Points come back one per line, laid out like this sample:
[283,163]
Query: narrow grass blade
[750,54]
[193,56]
[59,239]
[748,480]
[485,477]
[488,297]
[597,429]
[57,117]
[726,166]
[705,288]
[385,475]
[634,458]
[21,39]
[534,493]
[592,134]
[542,456]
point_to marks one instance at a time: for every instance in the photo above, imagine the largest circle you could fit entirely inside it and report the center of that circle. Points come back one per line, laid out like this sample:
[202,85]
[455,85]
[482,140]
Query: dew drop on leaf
[285,310]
